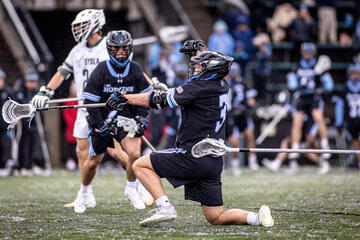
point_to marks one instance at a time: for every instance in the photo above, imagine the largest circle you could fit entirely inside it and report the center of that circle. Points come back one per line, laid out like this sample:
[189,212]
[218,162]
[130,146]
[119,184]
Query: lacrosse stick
[63,100]
[129,125]
[217,148]
[44,146]
[323,64]
[167,34]
[13,111]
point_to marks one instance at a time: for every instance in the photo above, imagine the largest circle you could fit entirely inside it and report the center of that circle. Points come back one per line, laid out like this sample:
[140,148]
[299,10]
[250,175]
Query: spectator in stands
[327,21]
[24,90]
[356,39]
[283,16]
[262,69]
[220,40]
[302,29]
[243,37]
[69,117]
[6,162]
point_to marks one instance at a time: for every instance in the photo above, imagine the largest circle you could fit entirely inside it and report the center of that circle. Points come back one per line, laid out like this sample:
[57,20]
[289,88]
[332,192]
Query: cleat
[145,196]
[133,196]
[265,217]
[254,166]
[236,171]
[293,167]
[163,214]
[324,167]
[89,203]
[293,156]
[79,204]
[271,165]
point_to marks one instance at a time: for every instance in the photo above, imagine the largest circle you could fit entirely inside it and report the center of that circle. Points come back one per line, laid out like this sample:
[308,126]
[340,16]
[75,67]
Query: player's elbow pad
[157,99]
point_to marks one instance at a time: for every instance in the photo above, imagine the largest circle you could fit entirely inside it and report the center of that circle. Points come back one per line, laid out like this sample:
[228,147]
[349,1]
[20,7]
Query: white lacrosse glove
[42,97]
[157,85]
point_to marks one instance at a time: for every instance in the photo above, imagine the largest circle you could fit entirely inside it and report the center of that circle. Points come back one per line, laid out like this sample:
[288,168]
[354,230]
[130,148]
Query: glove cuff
[46,91]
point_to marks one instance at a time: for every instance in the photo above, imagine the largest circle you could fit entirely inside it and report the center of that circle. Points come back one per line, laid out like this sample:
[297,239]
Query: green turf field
[304,206]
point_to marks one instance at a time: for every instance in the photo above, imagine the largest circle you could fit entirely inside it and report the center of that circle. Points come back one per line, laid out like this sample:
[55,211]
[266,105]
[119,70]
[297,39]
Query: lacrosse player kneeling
[203,105]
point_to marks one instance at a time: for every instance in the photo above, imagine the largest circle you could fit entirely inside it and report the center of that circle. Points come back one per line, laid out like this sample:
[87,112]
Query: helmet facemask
[115,41]
[209,65]
[86,23]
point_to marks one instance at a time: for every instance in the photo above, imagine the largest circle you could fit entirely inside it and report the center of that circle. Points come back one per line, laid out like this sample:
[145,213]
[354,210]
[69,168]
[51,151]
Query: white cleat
[236,171]
[134,197]
[254,166]
[293,167]
[164,214]
[324,167]
[81,200]
[265,217]
[145,196]
[271,165]
[89,203]
[293,156]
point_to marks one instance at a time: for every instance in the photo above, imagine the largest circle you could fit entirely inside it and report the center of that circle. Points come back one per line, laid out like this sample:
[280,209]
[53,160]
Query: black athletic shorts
[201,176]
[309,102]
[98,143]
[353,127]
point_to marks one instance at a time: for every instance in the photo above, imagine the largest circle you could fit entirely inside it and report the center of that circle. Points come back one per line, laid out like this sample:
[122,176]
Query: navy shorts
[353,127]
[309,102]
[201,176]
[98,144]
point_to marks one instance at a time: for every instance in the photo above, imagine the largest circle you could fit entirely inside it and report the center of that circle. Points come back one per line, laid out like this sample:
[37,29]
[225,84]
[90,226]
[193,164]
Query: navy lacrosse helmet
[209,65]
[116,40]
[308,47]
[354,68]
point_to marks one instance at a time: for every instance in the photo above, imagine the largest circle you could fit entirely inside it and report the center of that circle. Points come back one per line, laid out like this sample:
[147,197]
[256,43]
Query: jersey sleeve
[182,95]
[68,64]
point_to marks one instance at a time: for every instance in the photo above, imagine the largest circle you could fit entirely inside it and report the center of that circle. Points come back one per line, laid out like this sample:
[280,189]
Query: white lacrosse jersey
[82,60]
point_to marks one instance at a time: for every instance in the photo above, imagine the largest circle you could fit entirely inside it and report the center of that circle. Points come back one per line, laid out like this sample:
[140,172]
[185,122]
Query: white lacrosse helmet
[86,23]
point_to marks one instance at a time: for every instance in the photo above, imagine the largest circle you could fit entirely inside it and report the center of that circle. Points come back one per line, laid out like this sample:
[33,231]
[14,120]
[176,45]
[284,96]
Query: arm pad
[157,99]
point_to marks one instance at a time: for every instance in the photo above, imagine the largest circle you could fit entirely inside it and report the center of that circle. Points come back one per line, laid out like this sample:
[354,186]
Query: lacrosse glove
[41,98]
[116,101]
[109,128]
[142,124]
[191,47]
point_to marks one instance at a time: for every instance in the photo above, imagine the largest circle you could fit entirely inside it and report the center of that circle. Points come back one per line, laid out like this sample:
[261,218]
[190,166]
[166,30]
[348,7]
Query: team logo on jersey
[179,89]
[110,89]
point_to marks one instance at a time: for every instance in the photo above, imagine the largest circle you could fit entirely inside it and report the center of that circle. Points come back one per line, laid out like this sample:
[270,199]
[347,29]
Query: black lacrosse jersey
[106,79]
[351,98]
[203,109]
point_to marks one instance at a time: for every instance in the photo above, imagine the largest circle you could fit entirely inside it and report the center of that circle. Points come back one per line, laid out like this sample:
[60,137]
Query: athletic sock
[131,184]
[252,159]
[162,202]
[295,146]
[324,143]
[253,219]
[85,188]
[235,163]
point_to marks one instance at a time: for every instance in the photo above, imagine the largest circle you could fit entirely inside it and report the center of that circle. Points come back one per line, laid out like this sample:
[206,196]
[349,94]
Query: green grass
[304,206]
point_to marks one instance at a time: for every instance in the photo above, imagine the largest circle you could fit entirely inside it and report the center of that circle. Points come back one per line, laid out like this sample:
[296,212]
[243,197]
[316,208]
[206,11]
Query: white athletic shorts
[81,127]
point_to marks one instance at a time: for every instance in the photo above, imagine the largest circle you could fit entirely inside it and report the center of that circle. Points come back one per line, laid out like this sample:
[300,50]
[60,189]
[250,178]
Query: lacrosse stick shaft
[287,150]
[272,124]
[63,100]
[148,143]
[93,105]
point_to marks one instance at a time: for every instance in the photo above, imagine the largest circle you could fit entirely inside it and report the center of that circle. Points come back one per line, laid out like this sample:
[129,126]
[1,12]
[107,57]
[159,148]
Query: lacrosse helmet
[308,48]
[353,82]
[209,65]
[86,23]
[115,40]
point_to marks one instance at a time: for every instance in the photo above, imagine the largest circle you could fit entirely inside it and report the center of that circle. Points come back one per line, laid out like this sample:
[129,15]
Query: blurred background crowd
[265,38]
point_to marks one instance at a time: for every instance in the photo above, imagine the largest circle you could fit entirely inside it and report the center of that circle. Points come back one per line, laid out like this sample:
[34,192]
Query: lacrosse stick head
[13,111]
[209,146]
[323,64]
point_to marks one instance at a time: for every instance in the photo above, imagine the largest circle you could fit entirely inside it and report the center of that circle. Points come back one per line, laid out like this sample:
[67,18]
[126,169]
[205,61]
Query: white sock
[324,143]
[85,189]
[162,202]
[295,146]
[131,184]
[252,158]
[253,219]
[235,163]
